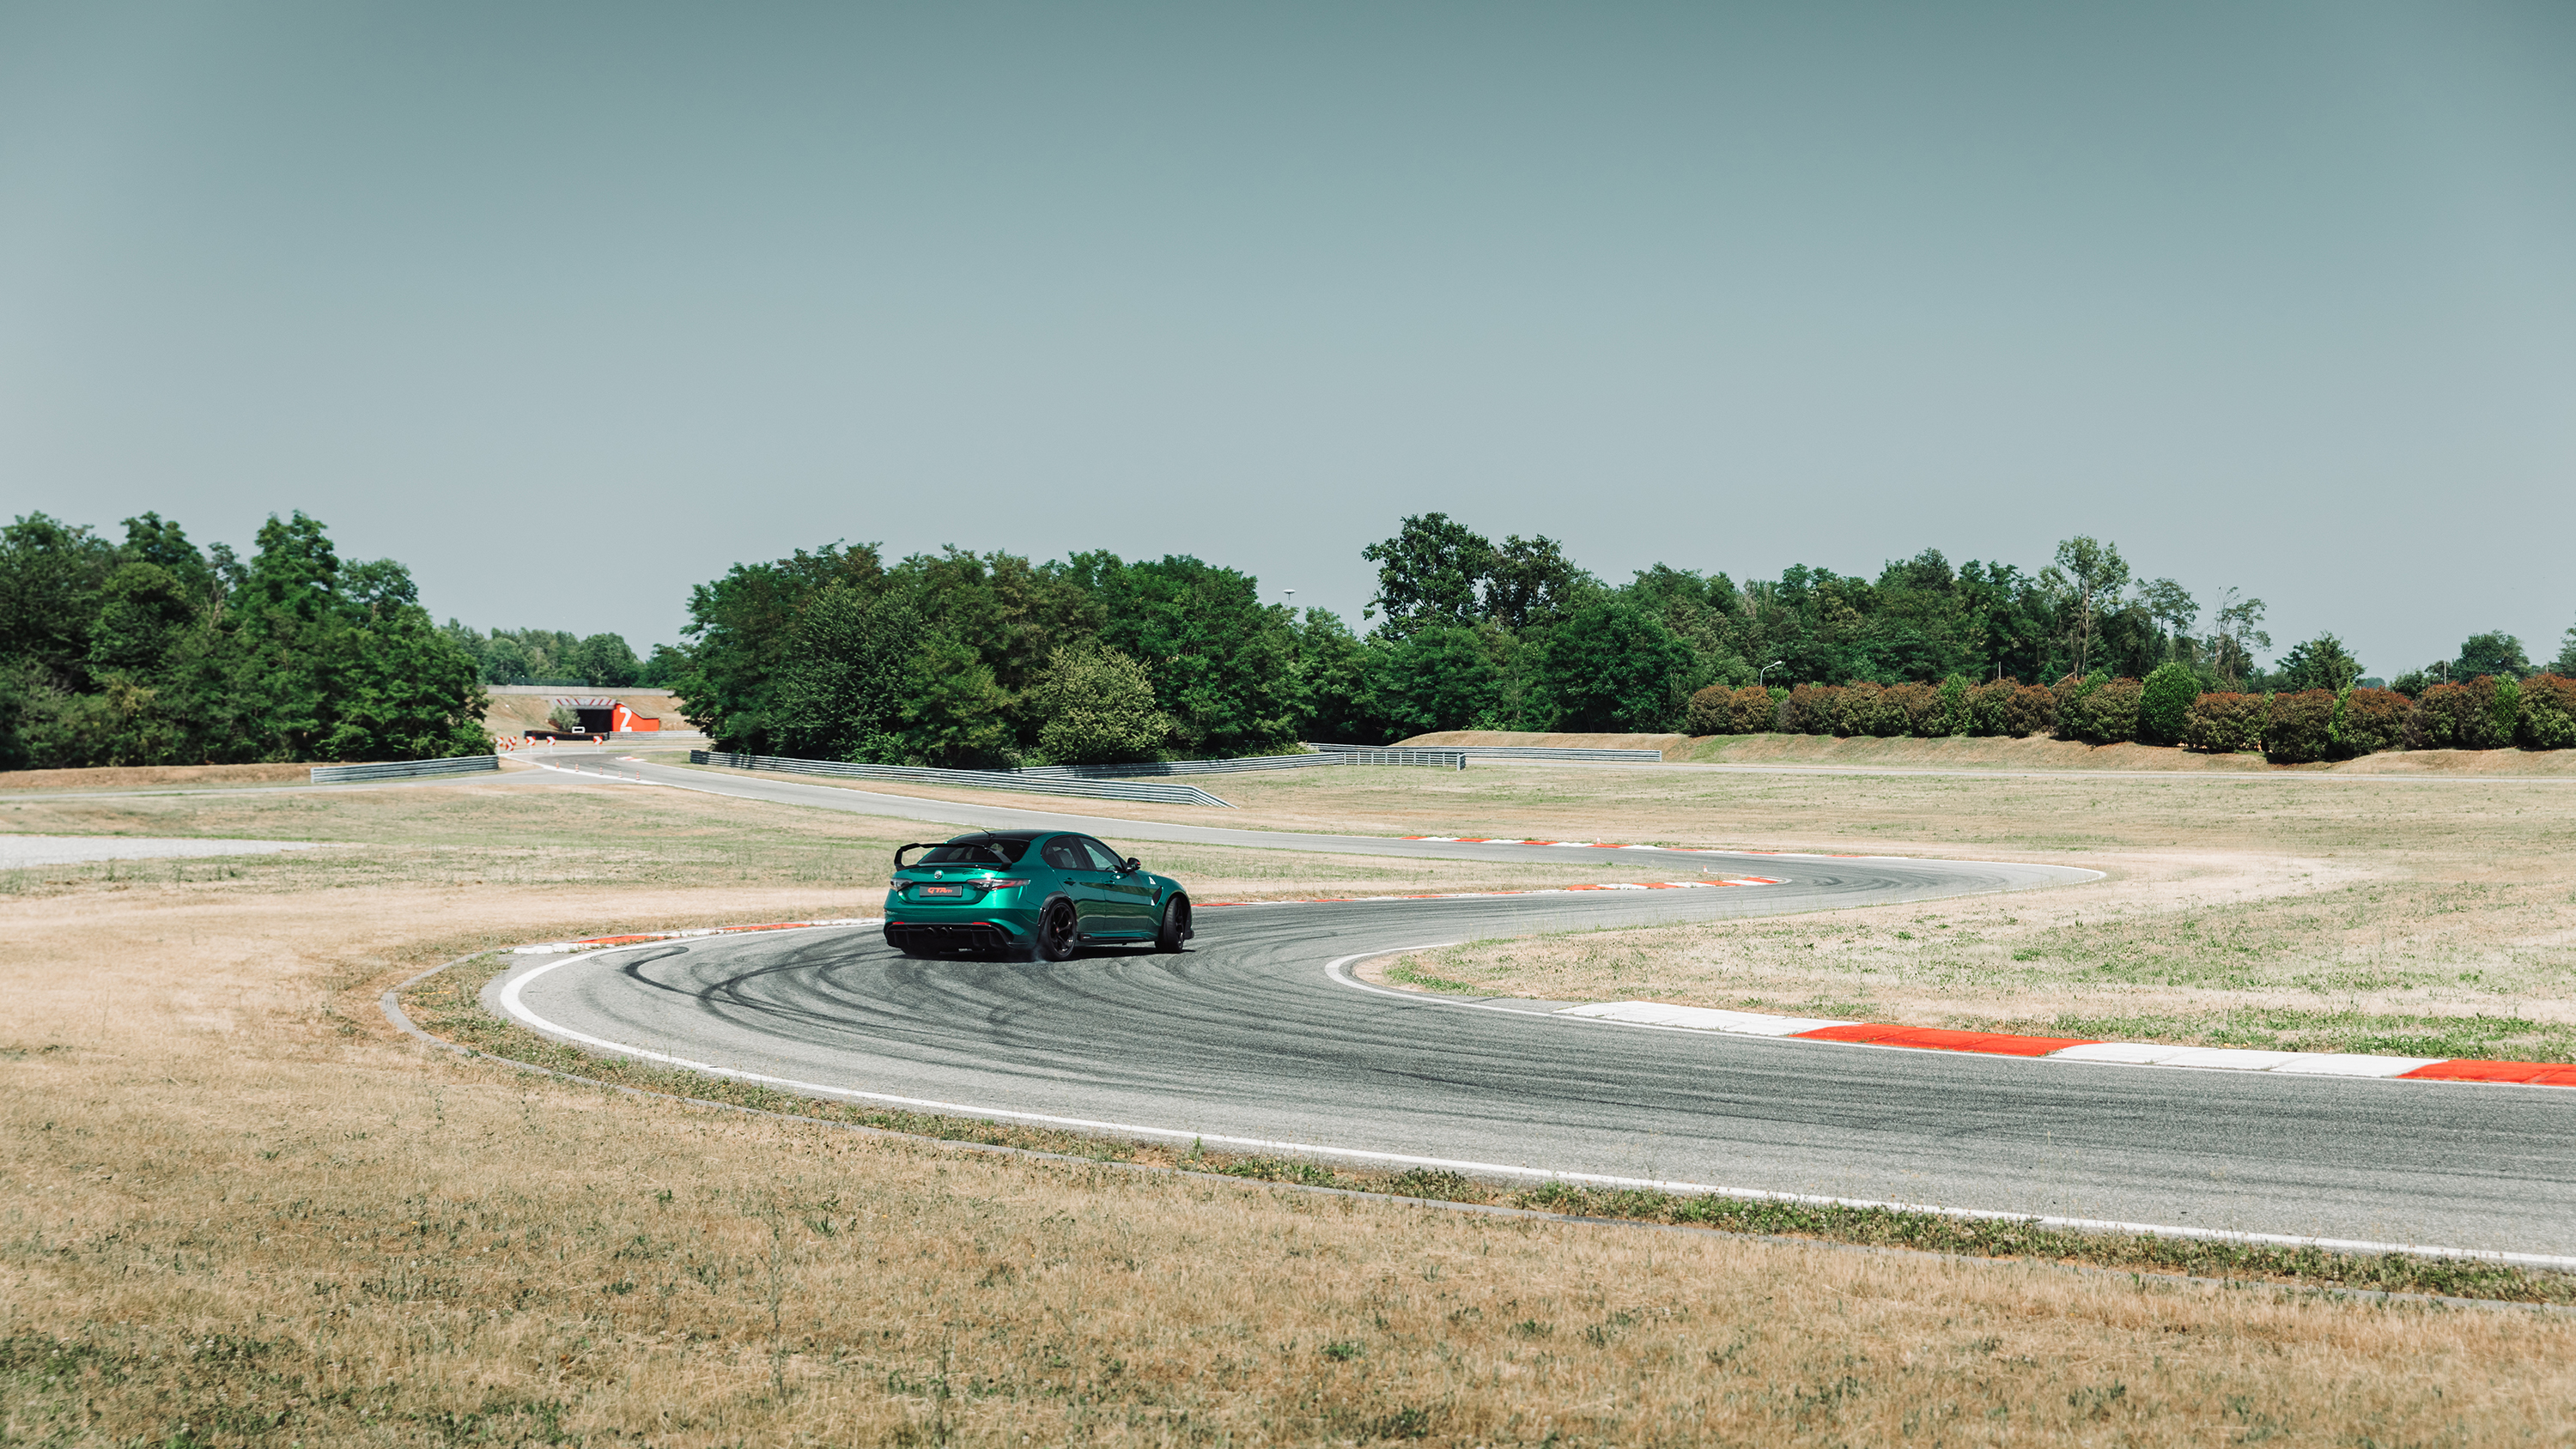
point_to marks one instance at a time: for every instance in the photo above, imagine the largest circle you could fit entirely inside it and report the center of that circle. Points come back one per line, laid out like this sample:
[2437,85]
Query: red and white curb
[2077,1049]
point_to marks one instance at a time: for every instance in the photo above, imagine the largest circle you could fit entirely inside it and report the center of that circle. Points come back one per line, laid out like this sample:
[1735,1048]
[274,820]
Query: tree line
[957,658]
[552,656]
[151,650]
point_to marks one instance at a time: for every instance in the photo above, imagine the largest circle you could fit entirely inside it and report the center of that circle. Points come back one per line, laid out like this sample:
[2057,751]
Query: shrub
[2067,691]
[1812,709]
[2299,727]
[1859,712]
[2104,714]
[1954,706]
[2504,713]
[1723,710]
[2373,720]
[2456,717]
[1916,709]
[1708,711]
[2548,712]
[2165,704]
[1755,709]
[2031,710]
[1988,704]
[2224,723]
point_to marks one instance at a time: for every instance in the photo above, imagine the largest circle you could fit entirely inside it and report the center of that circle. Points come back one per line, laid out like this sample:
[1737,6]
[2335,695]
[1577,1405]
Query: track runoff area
[1260,1037]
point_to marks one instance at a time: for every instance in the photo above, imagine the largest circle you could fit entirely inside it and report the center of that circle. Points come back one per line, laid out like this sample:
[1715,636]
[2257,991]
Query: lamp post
[1765,669]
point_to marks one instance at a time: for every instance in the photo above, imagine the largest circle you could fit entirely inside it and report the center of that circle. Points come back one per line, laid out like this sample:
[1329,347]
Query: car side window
[1064,853]
[1101,859]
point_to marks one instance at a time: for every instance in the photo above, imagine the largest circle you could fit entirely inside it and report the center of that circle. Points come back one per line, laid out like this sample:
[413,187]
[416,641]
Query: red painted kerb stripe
[1942,1039]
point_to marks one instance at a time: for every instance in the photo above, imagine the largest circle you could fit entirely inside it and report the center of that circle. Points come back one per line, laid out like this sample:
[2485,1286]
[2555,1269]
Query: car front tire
[1176,924]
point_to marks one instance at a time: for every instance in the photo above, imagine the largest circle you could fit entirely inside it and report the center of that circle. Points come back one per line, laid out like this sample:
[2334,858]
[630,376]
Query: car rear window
[994,850]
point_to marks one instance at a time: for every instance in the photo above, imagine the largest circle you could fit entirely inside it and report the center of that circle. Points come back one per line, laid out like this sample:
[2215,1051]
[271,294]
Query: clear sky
[570,306]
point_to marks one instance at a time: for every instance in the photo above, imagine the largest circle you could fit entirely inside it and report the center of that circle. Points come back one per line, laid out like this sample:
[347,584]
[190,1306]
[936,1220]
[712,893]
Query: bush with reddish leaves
[2299,728]
[1812,709]
[2372,720]
[1721,710]
[1756,710]
[2031,710]
[2224,723]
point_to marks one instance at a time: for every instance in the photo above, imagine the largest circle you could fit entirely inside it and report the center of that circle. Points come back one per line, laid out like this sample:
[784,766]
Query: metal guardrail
[403,769]
[1515,752]
[1043,784]
[1441,759]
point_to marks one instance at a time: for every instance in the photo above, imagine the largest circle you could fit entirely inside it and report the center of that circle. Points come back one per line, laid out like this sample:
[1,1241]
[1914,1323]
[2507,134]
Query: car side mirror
[1131,864]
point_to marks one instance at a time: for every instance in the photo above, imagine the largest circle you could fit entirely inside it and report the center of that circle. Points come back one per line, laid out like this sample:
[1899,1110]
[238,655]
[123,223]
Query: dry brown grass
[148,777]
[2414,917]
[241,1209]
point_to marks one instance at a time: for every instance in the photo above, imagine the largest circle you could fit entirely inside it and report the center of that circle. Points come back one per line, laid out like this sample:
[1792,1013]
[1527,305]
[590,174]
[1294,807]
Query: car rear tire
[1057,933]
[1176,924]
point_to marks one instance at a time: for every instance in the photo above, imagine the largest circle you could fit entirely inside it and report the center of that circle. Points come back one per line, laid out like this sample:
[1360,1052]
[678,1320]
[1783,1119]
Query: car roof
[998,835]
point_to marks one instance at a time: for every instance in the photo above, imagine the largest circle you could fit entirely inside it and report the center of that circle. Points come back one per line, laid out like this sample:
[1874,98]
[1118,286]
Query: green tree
[740,639]
[1332,682]
[2174,611]
[1097,708]
[2095,574]
[1428,575]
[1611,667]
[2564,666]
[605,661]
[1436,679]
[1223,664]
[2320,663]
[2237,635]
[843,695]
[1528,581]
[51,573]
[2497,653]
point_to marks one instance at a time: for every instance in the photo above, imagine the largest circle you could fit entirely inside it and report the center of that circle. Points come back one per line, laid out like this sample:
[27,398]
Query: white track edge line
[517,1008]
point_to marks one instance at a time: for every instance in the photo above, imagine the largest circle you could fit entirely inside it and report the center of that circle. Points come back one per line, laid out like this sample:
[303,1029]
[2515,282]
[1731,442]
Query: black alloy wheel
[1056,932]
[1176,924]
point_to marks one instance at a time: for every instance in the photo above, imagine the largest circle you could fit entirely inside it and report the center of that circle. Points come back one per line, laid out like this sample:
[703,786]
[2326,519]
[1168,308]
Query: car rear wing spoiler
[901,864]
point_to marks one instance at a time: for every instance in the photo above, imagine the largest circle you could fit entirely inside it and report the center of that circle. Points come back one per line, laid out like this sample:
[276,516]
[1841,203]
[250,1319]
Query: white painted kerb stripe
[1700,1018]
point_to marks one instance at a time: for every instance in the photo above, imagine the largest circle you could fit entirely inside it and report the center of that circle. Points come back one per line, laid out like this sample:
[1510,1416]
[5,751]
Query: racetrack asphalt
[1248,1037]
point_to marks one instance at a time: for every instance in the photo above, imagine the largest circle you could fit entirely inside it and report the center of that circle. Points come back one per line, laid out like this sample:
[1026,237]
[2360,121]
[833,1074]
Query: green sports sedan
[1038,893]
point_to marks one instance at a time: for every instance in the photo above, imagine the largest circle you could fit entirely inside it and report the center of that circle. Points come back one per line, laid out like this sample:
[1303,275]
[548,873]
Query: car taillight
[999,884]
